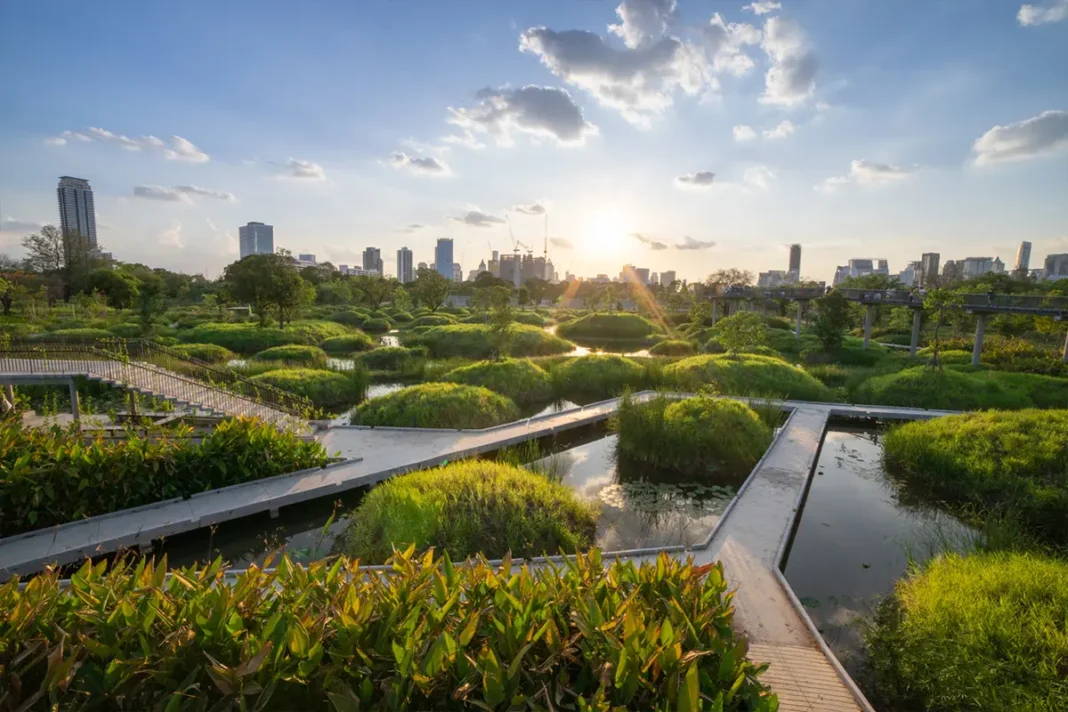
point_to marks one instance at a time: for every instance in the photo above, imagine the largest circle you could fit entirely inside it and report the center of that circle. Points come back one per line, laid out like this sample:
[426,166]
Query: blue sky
[859,128]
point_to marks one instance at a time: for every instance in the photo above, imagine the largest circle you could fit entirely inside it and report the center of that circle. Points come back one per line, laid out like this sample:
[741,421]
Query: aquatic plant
[518,379]
[437,405]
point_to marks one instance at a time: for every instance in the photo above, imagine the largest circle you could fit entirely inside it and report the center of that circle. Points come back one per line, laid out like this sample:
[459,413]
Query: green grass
[205,352]
[477,341]
[378,324]
[326,389]
[746,374]
[126,330]
[1009,464]
[432,320]
[76,334]
[695,436]
[923,387]
[588,378]
[600,326]
[982,632]
[348,344]
[851,353]
[518,379]
[437,405]
[250,338]
[349,317]
[468,508]
[400,317]
[297,354]
[673,347]
[391,358]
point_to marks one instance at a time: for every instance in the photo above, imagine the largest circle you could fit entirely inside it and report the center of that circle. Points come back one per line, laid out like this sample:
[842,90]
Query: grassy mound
[205,352]
[76,334]
[530,318]
[377,324]
[400,317]
[127,330]
[477,341]
[747,374]
[600,326]
[250,338]
[313,356]
[695,435]
[468,508]
[433,320]
[518,379]
[982,632]
[349,317]
[326,389]
[596,377]
[1009,463]
[348,344]
[673,347]
[437,405]
[1042,391]
[922,387]
[390,358]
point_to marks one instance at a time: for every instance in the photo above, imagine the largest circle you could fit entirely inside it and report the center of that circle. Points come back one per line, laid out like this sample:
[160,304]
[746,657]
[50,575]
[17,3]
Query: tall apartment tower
[443,257]
[1023,259]
[76,212]
[372,260]
[256,239]
[795,263]
[929,269]
[405,273]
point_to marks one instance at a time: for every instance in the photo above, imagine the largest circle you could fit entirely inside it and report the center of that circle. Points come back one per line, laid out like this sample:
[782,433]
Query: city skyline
[725,159]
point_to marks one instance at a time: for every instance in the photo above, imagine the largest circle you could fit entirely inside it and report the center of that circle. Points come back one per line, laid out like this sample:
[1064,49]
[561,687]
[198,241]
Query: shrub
[673,347]
[349,317]
[922,387]
[477,341]
[778,322]
[529,318]
[433,320]
[390,358]
[250,338]
[740,333]
[348,344]
[469,508]
[1009,463]
[51,476]
[1041,391]
[599,326]
[377,324]
[81,335]
[294,353]
[595,377]
[128,330]
[694,435]
[979,632]
[518,379]
[401,317]
[437,405]
[747,374]
[850,353]
[205,352]
[326,389]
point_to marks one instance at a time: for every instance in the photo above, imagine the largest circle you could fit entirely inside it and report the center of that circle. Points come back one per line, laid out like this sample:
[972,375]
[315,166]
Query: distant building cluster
[778,277]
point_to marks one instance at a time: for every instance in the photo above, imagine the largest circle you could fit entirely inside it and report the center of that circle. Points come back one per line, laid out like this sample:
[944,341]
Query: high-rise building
[861,267]
[256,239]
[77,215]
[372,260]
[1056,266]
[457,272]
[405,273]
[795,263]
[971,267]
[1023,259]
[443,257]
[772,278]
[422,265]
[911,274]
[306,257]
[667,277]
[642,273]
[928,269]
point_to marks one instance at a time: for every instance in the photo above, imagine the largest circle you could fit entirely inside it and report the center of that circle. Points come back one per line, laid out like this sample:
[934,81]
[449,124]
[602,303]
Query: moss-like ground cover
[348,344]
[205,352]
[597,377]
[598,326]
[478,341]
[518,379]
[437,405]
[311,356]
[747,374]
[326,389]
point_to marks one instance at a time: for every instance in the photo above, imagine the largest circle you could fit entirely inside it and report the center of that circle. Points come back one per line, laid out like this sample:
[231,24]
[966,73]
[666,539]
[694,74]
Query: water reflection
[586,351]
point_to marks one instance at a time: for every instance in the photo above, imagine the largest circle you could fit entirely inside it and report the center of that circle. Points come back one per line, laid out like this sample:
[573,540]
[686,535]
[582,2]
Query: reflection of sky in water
[855,539]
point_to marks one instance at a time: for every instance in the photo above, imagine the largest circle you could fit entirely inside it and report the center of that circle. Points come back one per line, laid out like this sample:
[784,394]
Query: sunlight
[605,232]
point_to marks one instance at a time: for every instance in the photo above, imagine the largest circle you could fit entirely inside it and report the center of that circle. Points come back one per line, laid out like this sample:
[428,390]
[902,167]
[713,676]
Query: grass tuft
[437,405]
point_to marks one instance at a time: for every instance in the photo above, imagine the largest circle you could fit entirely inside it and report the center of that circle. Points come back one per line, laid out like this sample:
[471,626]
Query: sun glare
[604,233]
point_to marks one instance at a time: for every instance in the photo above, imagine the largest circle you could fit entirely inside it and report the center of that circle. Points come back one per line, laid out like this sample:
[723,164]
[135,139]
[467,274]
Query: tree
[740,332]
[523,296]
[730,277]
[17,287]
[497,301]
[269,283]
[401,298]
[91,304]
[336,292]
[149,301]
[430,288]
[937,301]
[536,288]
[287,292]
[375,289]
[118,286]
[67,256]
[832,320]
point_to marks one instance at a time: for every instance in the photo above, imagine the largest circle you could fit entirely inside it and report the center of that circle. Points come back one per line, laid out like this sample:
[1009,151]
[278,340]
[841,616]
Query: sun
[605,232]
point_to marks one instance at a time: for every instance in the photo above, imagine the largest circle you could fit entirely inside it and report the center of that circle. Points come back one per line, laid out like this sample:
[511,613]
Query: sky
[686,135]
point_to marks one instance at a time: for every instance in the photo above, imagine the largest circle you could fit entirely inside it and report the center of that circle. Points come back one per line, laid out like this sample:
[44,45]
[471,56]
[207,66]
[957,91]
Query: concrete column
[9,398]
[74,406]
[977,350]
[1064,356]
[715,308]
[133,405]
[917,319]
[797,329]
[867,324]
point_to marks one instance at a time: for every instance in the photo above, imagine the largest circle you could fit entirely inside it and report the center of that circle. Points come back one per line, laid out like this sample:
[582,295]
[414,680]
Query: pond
[586,351]
[856,535]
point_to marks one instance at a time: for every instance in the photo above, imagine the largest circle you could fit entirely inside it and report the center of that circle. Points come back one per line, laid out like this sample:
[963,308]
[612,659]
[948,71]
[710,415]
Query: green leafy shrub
[922,387]
[518,379]
[778,322]
[296,354]
[127,330]
[250,338]
[1013,464]
[326,389]
[377,324]
[349,317]
[348,344]
[205,352]
[477,341]
[1041,391]
[433,320]
[80,335]
[673,347]
[401,317]
[740,333]
[468,508]
[437,405]
[746,374]
[851,352]
[596,377]
[1013,354]
[530,318]
[979,632]
[391,358]
[51,476]
[600,326]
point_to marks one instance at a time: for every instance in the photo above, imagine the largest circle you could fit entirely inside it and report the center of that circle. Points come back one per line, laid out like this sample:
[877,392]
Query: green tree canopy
[430,288]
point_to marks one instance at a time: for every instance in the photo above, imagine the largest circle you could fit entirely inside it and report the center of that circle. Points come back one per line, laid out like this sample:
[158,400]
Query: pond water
[854,541]
[586,351]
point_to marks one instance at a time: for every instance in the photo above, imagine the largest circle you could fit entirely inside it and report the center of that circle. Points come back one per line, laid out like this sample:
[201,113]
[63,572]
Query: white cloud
[465,138]
[643,21]
[700,179]
[1030,138]
[689,243]
[784,129]
[180,193]
[303,170]
[224,241]
[411,227]
[180,149]
[529,209]
[762,7]
[759,177]
[19,227]
[1030,15]
[172,236]
[654,245]
[541,112]
[791,78]
[476,218]
[868,174]
[725,41]
[743,133]
[183,150]
[425,165]
[561,242]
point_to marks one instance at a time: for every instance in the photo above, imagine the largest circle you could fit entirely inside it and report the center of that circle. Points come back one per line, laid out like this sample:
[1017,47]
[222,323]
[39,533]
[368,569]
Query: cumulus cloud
[301,170]
[1037,136]
[762,7]
[784,129]
[179,149]
[529,209]
[14,225]
[545,113]
[184,150]
[225,242]
[743,133]
[642,21]
[791,78]
[759,177]
[411,227]
[561,242]
[689,243]
[868,174]
[172,236]
[1030,15]
[425,165]
[725,42]
[476,218]
[700,179]
[654,245]
[180,193]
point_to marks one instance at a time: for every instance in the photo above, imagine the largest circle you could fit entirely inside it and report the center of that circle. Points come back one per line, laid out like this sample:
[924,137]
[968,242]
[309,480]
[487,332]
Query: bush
[377,324]
[437,405]
[349,317]
[597,377]
[694,436]
[1006,463]
[778,322]
[518,379]
[205,352]
[599,326]
[979,632]
[51,476]
[326,389]
[391,358]
[79,335]
[294,353]
[477,341]
[469,508]
[922,387]
[740,333]
[529,318]
[747,374]
[673,347]
[433,320]
[850,353]
[401,317]
[129,330]
[348,344]
[250,338]
[1041,391]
